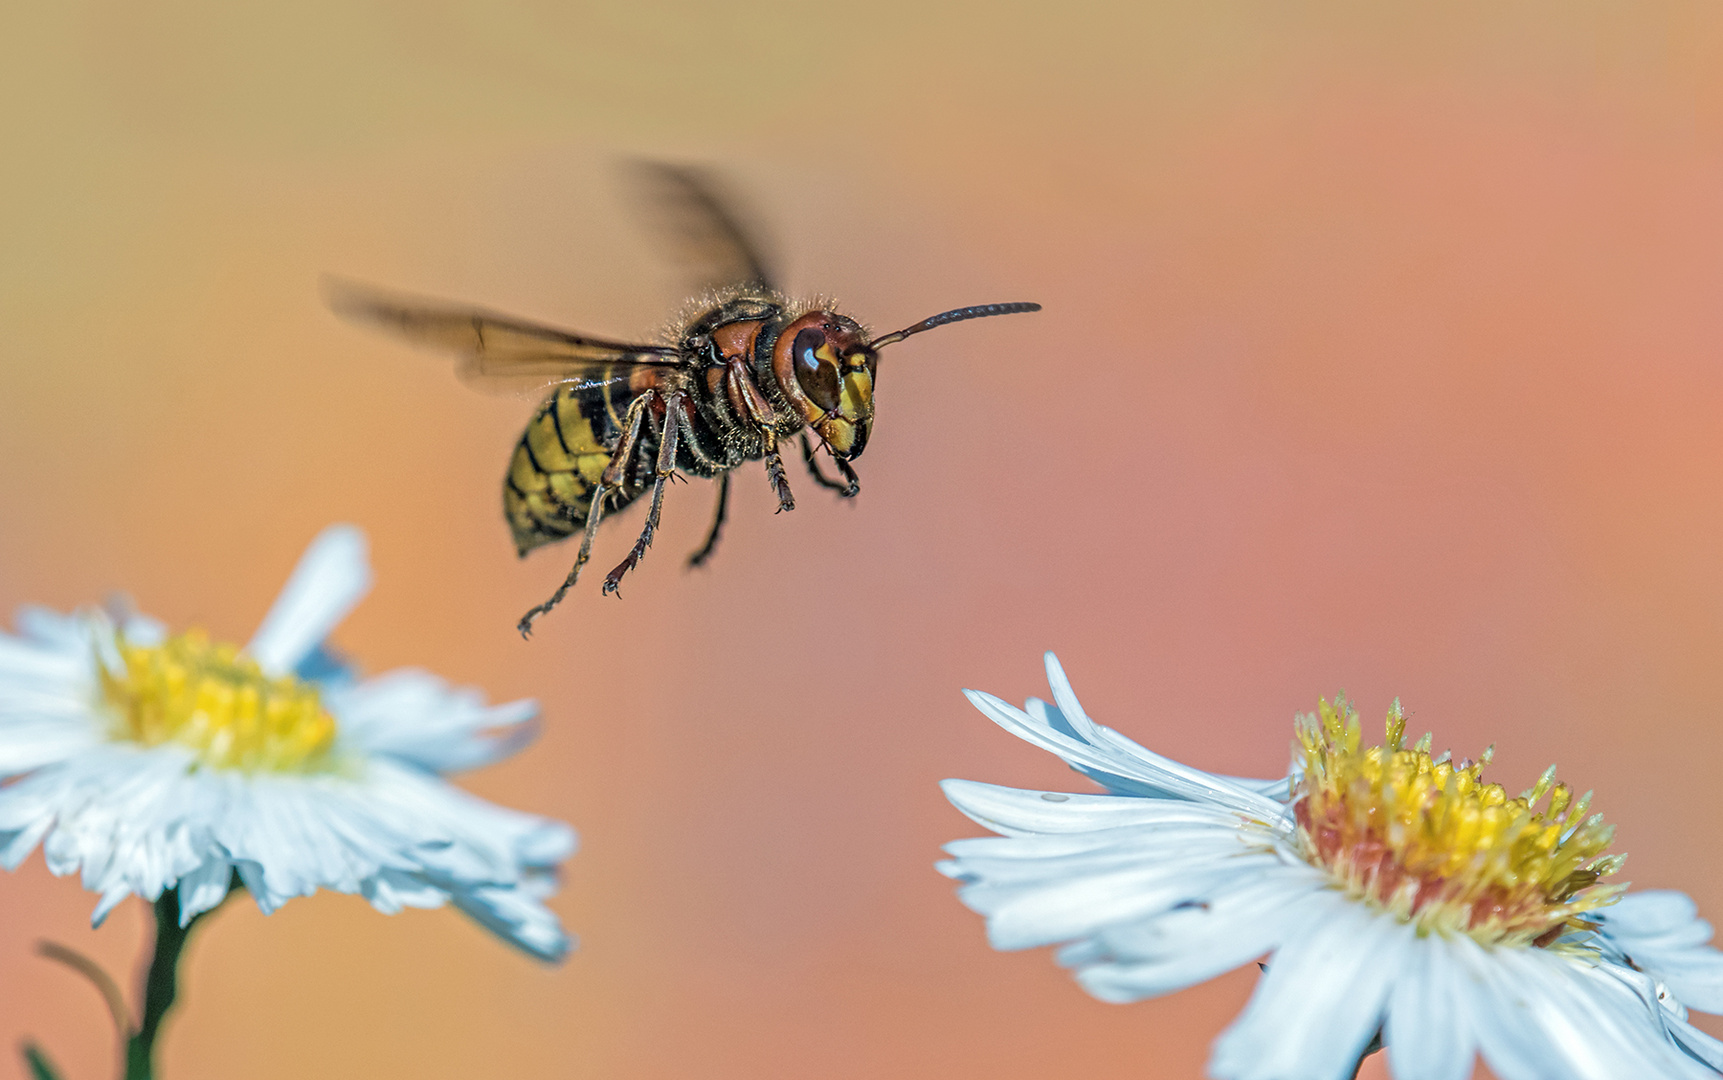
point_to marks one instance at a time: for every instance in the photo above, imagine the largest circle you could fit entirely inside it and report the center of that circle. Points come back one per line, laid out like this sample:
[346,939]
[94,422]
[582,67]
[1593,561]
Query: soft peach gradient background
[1382,351]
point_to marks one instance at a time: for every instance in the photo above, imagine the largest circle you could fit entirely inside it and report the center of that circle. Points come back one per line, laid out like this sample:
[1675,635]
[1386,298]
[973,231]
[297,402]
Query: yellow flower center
[1427,839]
[217,701]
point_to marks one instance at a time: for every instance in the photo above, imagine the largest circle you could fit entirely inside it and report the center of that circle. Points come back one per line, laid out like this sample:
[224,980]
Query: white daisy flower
[146,761]
[1390,892]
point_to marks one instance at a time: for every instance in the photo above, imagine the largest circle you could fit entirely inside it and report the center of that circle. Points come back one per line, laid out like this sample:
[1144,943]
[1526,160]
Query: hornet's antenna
[979,311]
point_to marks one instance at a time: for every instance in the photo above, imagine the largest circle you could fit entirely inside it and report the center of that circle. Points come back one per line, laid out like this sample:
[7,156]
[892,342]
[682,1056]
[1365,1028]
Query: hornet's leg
[775,472]
[666,469]
[615,475]
[705,551]
[846,491]
[593,516]
[765,418]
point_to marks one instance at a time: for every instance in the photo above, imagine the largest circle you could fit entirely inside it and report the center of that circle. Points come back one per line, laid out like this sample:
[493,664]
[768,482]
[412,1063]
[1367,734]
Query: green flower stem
[161,984]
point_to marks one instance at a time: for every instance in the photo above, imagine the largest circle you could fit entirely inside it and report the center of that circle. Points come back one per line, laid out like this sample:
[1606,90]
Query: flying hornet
[744,369]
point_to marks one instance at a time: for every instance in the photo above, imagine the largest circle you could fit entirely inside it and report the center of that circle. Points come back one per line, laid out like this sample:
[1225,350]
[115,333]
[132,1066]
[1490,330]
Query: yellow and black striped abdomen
[557,465]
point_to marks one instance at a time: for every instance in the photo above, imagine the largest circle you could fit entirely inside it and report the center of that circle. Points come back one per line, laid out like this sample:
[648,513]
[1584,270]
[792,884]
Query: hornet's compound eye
[817,368]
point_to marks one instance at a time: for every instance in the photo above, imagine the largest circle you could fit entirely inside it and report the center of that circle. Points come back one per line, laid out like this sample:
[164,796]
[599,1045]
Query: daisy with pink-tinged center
[1391,894]
[148,762]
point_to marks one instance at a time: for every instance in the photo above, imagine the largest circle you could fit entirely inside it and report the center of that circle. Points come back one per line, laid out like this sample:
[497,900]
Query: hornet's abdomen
[558,462]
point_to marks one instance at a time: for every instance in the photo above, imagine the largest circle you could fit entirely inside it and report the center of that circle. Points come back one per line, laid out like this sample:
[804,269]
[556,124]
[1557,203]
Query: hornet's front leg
[670,429]
[845,490]
[775,472]
[705,551]
[765,418]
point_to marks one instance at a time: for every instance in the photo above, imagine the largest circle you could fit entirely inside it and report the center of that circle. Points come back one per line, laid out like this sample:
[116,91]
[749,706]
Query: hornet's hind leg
[673,404]
[705,551]
[615,476]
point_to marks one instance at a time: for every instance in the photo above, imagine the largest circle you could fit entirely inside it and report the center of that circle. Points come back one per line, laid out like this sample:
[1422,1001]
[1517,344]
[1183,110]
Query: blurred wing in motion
[494,352]
[699,227]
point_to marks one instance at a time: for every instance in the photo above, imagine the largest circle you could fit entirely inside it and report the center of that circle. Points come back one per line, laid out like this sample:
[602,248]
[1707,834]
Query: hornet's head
[825,366]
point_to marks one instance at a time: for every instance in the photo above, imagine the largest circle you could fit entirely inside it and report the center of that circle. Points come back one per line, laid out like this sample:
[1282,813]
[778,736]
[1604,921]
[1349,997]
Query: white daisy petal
[1320,1002]
[392,891]
[204,888]
[415,716]
[30,739]
[1660,932]
[1142,764]
[1427,1032]
[1543,1016]
[1654,912]
[26,664]
[1027,916]
[138,766]
[16,843]
[251,876]
[1654,998]
[1048,716]
[106,905]
[332,577]
[1194,940]
[1013,811]
[1700,1045]
[46,629]
[1158,773]
[1509,1020]
[515,915]
[1363,878]
[1010,860]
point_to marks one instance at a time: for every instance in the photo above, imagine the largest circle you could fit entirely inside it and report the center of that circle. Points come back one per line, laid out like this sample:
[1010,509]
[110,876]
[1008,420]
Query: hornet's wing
[698,225]
[497,353]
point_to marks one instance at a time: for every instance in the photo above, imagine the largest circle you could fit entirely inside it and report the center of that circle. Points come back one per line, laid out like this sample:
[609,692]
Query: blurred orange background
[1382,350]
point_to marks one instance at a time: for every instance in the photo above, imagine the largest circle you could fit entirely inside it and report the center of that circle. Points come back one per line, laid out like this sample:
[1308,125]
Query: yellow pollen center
[218,702]
[1428,840]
